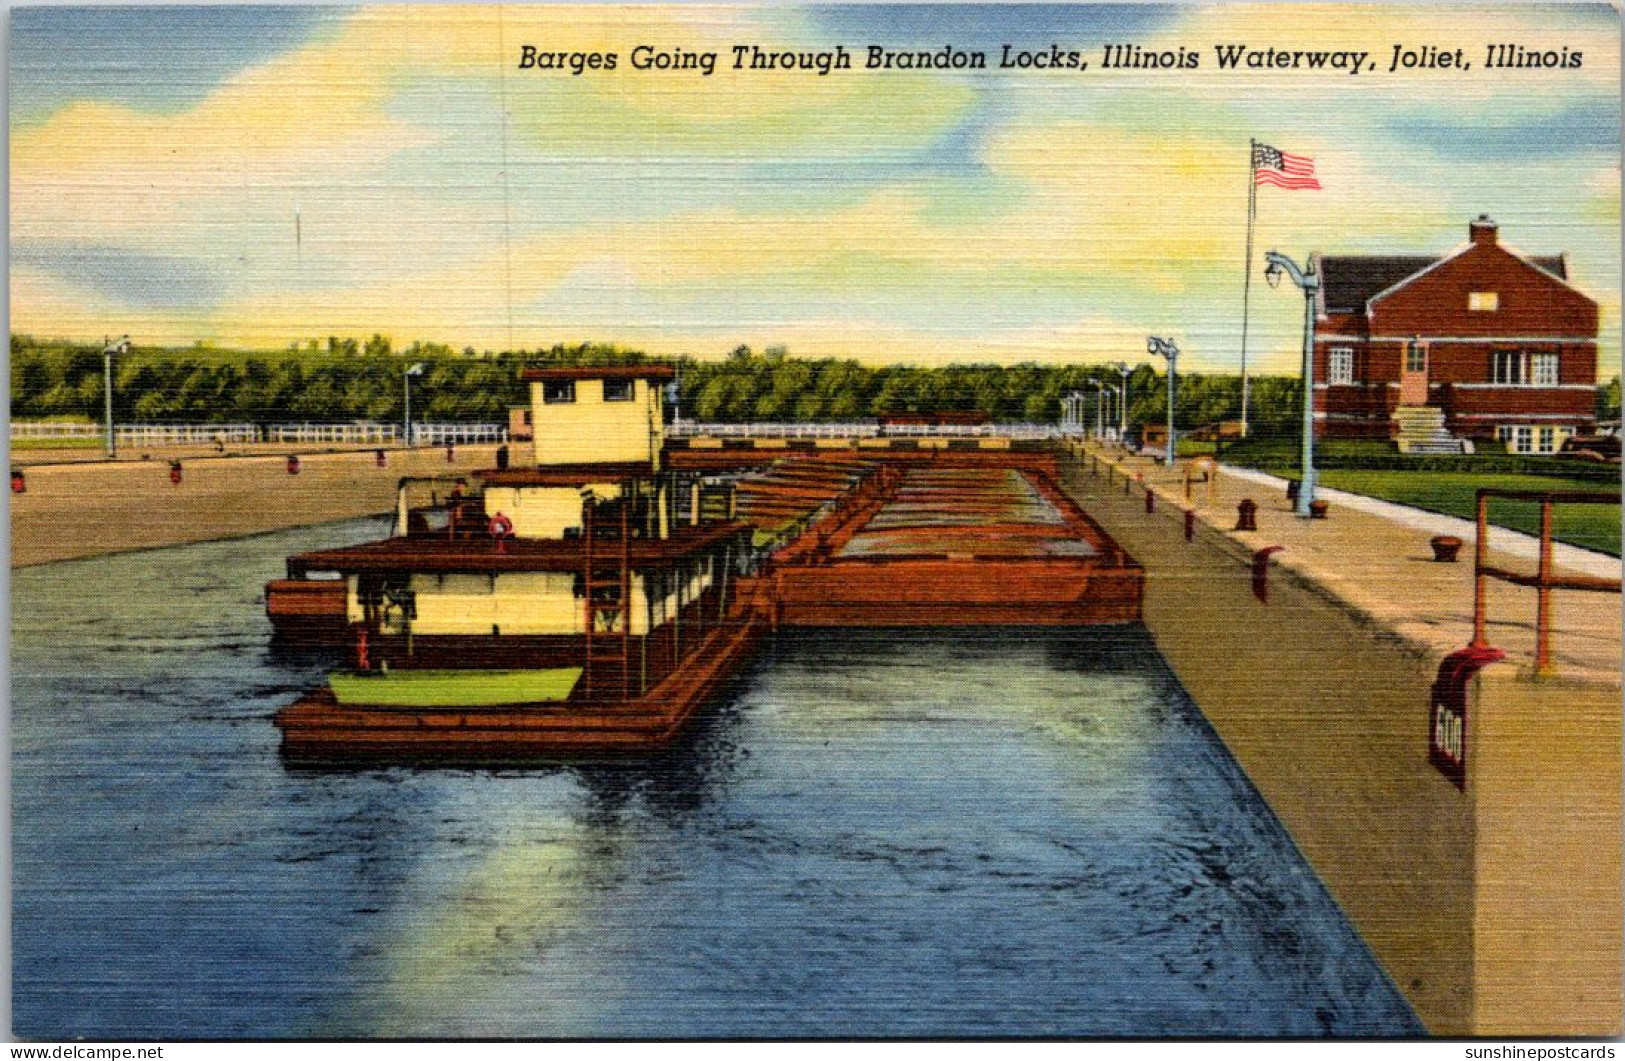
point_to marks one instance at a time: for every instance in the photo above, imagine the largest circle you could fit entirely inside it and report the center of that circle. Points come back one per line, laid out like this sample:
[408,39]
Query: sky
[263,176]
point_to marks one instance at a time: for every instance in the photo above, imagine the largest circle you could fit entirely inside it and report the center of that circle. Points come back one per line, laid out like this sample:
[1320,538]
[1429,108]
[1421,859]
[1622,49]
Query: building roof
[1350,281]
[600,372]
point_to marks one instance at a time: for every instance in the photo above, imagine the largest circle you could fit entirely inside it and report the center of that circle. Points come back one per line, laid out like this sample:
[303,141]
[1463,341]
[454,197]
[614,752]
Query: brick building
[1482,343]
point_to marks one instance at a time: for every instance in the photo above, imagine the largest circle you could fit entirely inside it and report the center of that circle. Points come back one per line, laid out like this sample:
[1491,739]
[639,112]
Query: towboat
[589,604]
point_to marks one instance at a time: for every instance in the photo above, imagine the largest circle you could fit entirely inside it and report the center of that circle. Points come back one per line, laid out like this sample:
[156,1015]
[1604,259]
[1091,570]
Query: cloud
[127,278]
[444,194]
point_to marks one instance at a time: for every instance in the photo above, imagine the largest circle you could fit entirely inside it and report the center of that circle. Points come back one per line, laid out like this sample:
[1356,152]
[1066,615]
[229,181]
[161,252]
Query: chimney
[1482,231]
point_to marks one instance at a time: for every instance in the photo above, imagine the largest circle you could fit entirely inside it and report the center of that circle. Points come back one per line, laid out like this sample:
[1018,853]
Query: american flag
[1275,167]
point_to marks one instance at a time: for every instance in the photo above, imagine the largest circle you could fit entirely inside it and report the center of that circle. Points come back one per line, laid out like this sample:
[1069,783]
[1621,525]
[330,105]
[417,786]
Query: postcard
[815,521]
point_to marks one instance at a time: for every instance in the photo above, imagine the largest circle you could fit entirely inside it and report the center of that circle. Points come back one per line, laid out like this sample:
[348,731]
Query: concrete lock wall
[93,508]
[1495,910]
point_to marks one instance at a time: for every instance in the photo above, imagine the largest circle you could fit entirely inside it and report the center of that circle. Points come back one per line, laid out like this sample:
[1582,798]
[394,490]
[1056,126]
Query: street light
[1310,283]
[108,350]
[1101,404]
[1122,369]
[1166,348]
[415,370]
[1072,413]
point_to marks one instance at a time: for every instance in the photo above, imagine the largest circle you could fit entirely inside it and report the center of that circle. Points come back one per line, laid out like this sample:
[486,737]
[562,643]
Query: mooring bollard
[293,464]
[1190,524]
[1246,515]
[451,453]
[1445,548]
[1292,487]
[1261,572]
[1317,509]
[19,482]
[380,459]
[175,472]
[1150,500]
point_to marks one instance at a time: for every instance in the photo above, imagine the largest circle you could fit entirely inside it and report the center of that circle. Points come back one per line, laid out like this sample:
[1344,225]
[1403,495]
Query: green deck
[455,688]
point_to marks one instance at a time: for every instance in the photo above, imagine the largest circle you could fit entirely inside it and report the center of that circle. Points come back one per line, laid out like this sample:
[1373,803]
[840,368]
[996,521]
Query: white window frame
[1523,439]
[1547,443]
[1515,360]
[1543,370]
[1340,365]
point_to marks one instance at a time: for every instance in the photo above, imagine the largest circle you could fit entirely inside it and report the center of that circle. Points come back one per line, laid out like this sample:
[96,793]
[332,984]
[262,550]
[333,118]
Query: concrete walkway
[1376,563]
[1511,542]
[71,511]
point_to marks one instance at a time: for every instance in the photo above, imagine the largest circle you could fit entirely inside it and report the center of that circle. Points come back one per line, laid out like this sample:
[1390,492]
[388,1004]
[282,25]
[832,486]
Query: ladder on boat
[608,667]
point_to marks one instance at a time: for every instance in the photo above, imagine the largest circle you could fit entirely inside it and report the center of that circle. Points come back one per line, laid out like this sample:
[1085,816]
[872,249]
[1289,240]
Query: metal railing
[695,429]
[1545,579]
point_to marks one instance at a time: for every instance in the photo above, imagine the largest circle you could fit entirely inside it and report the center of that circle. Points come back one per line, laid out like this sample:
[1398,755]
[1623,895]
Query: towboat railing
[1544,580]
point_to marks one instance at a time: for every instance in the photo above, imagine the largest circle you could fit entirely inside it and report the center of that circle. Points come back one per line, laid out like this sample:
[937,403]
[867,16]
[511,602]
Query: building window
[1523,439]
[617,390]
[1340,368]
[1416,358]
[1483,301]
[1548,440]
[558,391]
[1507,366]
[1543,370]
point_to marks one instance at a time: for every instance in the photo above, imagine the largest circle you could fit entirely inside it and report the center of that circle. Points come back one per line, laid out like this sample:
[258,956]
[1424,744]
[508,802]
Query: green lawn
[1454,494]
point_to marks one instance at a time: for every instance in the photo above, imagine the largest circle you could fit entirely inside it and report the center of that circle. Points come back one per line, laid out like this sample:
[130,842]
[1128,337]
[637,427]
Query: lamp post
[1166,348]
[415,370]
[1109,410]
[1122,401]
[108,350]
[1309,281]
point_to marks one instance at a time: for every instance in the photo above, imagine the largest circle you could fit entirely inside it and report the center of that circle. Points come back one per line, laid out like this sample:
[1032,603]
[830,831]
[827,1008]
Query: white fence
[447,434]
[359,433]
[43,429]
[184,434]
[367,433]
[692,429]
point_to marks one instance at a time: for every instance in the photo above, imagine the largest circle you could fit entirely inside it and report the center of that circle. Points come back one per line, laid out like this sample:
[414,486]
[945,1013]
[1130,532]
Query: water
[939,834]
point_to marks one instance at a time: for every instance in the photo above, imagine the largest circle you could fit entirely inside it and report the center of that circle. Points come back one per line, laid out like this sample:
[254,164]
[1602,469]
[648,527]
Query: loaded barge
[594,602]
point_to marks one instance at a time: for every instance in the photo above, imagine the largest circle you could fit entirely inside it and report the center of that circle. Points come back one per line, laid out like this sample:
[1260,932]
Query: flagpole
[1247,279]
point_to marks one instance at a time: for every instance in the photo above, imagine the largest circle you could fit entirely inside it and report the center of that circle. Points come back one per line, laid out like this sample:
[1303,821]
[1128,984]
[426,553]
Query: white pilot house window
[1340,367]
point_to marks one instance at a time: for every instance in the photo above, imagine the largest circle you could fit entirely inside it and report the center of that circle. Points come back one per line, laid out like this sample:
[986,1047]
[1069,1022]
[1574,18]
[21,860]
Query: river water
[938,834]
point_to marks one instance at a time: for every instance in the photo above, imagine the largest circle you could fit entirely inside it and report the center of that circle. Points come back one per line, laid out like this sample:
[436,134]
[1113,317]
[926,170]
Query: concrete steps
[1422,430]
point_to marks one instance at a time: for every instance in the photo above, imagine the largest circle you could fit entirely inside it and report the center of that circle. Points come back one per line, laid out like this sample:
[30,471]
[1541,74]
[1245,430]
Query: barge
[594,602]
[589,604]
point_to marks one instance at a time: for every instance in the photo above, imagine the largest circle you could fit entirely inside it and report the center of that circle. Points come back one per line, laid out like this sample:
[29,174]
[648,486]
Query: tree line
[346,379]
